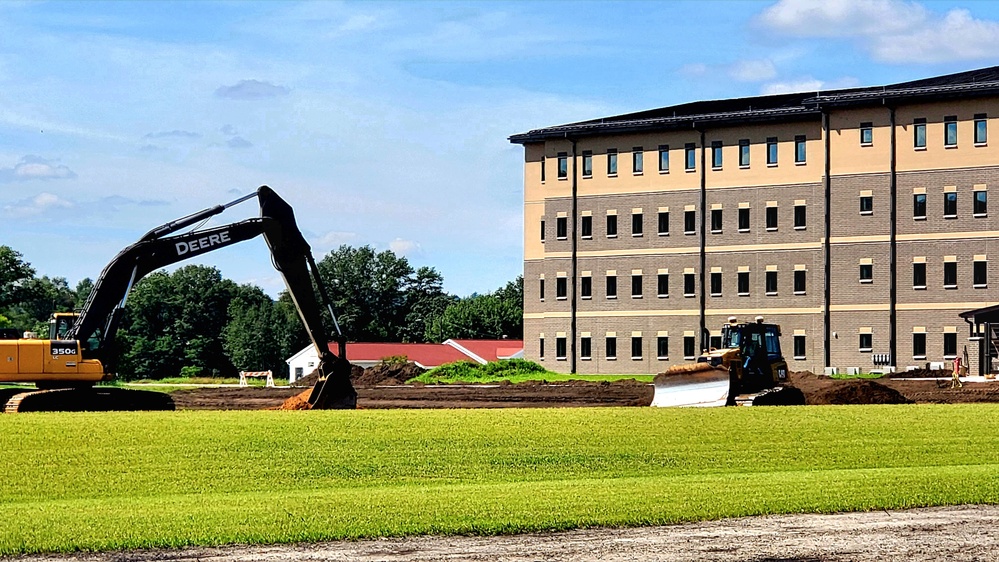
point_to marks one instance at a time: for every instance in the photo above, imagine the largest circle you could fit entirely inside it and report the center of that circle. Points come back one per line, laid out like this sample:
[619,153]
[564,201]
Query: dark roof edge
[889,94]
[692,122]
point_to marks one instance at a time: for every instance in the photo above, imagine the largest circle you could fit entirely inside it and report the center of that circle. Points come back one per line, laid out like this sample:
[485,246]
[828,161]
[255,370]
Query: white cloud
[694,69]
[802,85]
[332,240]
[37,205]
[890,30]
[753,70]
[251,90]
[404,247]
[178,134]
[35,168]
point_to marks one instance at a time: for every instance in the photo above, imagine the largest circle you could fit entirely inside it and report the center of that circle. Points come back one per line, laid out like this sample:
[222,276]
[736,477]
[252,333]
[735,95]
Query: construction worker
[956,381]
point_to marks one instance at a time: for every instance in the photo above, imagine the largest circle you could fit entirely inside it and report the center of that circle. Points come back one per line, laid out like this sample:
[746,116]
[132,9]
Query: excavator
[81,351]
[747,370]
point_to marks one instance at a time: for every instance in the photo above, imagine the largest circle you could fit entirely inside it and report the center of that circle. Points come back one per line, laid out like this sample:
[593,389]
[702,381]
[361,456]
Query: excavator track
[98,399]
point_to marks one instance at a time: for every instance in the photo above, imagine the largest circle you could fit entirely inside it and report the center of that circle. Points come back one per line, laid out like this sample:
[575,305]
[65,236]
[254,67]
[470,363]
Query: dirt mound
[922,374]
[297,402]
[386,374]
[858,391]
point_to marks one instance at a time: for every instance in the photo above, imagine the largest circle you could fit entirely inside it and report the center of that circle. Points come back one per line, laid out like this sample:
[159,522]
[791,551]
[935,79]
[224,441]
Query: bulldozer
[748,369]
[81,347]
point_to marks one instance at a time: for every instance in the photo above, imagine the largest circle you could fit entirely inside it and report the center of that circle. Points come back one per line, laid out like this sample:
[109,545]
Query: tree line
[377,296]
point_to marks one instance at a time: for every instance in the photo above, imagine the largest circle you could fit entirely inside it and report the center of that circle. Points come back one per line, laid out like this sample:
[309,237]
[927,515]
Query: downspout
[705,335]
[827,250]
[572,268]
[892,249]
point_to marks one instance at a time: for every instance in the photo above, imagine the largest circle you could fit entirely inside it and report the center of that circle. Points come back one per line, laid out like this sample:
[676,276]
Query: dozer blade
[697,384]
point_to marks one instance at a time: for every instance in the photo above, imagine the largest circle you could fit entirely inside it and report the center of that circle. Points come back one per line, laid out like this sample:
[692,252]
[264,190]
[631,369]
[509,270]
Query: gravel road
[961,534]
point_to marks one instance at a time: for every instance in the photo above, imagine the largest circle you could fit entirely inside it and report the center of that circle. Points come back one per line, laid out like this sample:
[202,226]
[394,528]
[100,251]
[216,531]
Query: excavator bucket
[696,384]
[333,391]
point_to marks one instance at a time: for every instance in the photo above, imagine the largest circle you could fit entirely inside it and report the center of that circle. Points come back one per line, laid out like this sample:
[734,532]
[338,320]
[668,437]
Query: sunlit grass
[126,480]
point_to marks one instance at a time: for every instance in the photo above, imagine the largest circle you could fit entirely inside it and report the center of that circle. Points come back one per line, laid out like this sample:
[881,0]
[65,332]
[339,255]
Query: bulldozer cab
[760,354]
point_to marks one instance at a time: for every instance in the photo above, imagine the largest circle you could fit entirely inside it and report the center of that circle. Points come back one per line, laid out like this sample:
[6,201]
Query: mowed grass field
[164,479]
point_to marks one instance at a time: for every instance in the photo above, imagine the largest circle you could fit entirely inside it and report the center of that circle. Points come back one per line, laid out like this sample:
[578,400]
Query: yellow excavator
[748,369]
[81,351]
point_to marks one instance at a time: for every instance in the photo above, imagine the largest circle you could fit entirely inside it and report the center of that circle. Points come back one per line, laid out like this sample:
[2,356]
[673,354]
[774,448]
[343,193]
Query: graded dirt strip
[963,534]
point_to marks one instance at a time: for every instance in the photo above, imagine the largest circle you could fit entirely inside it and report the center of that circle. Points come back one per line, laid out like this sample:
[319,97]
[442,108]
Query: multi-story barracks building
[856,219]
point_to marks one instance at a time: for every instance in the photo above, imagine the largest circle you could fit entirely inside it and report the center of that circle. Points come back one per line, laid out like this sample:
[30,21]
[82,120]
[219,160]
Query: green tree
[252,338]
[176,321]
[14,273]
[478,317]
[378,296]
[40,297]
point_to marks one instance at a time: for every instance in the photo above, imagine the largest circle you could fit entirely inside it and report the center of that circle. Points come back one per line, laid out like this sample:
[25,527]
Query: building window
[771,218]
[744,219]
[663,158]
[716,284]
[716,154]
[950,345]
[866,342]
[541,348]
[560,349]
[981,128]
[950,205]
[688,284]
[866,134]
[586,287]
[771,283]
[950,275]
[689,347]
[919,345]
[611,226]
[612,286]
[611,161]
[636,347]
[662,285]
[586,226]
[561,228]
[950,130]
[587,163]
[867,273]
[610,347]
[563,165]
[689,222]
[716,221]
[799,346]
[980,275]
[743,283]
[744,153]
[636,286]
[637,160]
[919,133]
[981,203]
[542,169]
[799,281]
[919,206]
[541,288]
[636,224]
[714,342]
[866,205]
[799,217]
[771,151]
[690,156]
[664,223]
[584,348]
[799,149]
[542,230]
[662,347]
[561,288]
[919,275]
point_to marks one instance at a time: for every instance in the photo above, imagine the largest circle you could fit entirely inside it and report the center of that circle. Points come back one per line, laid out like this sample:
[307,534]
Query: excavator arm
[291,256]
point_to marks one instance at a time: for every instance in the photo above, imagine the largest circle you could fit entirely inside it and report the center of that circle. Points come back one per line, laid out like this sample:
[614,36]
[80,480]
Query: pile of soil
[387,374]
[297,402]
[825,390]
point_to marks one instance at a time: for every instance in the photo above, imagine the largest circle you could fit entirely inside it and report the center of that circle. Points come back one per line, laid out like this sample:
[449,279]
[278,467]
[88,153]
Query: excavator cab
[749,369]
[60,325]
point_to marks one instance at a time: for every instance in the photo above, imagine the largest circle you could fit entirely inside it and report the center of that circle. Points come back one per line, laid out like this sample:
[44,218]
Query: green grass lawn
[125,480]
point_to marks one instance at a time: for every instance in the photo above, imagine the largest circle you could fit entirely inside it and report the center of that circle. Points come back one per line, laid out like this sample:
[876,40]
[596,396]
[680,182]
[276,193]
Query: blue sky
[385,123]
